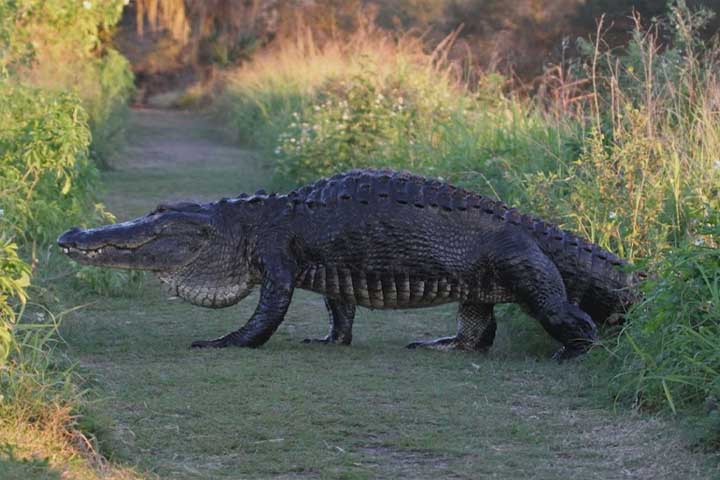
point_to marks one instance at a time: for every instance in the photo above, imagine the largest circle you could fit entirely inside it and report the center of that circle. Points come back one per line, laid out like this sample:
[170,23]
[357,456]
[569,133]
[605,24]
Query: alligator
[380,239]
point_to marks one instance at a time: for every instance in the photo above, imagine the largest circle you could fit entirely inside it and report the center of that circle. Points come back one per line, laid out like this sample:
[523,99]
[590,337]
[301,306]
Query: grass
[374,410]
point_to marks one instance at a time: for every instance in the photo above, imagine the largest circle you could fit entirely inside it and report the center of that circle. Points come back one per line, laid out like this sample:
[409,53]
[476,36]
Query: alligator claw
[564,354]
[446,343]
[217,343]
[327,341]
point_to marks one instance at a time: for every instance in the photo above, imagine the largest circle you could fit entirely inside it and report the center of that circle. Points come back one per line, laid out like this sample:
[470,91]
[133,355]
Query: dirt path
[375,410]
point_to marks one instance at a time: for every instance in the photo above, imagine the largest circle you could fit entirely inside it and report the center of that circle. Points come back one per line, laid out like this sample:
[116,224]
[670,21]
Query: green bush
[669,352]
[62,45]
[355,123]
[14,279]
[46,178]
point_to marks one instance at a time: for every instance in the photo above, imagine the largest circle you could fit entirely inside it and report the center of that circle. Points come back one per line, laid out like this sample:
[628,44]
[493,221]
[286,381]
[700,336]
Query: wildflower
[699,242]
[612,215]
[87,5]
[2,212]
[278,151]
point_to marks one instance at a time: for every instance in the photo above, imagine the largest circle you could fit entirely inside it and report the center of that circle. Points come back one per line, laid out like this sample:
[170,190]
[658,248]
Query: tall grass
[259,100]
[621,147]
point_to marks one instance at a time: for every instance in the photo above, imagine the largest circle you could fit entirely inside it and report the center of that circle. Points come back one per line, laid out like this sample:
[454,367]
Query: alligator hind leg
[476,330]
[341,322]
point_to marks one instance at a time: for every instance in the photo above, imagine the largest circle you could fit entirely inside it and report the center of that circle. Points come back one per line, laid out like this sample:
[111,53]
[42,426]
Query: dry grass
[53,451]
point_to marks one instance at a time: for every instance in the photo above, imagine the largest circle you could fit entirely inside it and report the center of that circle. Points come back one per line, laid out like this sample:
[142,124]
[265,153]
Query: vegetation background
[601,115]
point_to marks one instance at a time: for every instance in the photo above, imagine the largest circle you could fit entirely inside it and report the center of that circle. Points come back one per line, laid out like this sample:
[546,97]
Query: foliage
[14,279]
[61,45]
[45,176]
[354,122]
[653,125]
[60,89]
[669,351]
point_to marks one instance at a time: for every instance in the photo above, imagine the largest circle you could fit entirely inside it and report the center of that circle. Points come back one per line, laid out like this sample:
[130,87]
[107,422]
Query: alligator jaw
[108,255]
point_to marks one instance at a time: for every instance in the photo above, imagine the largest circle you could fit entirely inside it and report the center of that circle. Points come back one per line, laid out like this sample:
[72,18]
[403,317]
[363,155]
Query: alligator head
[183,244]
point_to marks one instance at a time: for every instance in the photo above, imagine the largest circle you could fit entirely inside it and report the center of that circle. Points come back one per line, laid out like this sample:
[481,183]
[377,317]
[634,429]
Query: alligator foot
[328,340]
[229,340]
[445,344]
[217,343]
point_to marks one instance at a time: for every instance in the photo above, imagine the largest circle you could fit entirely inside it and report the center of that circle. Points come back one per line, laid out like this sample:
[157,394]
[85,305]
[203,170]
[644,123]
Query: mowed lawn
[294,410]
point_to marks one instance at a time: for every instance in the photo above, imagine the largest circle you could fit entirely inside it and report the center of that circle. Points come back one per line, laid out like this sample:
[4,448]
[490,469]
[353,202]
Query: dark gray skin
[374,238]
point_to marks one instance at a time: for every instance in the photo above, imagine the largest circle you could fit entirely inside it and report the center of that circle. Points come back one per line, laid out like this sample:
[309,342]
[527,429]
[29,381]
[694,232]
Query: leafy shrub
[669,353]
[46,179]
[355,123]
[61,45]
[14,279]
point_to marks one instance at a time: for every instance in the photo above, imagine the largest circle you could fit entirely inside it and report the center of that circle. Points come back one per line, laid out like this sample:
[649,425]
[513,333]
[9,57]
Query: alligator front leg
[475,333]
[341,323]
[275,297]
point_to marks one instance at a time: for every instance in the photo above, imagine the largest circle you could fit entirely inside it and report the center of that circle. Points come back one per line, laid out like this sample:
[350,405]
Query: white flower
[87,5]
[278,151]
[699,242]
[612,215]
[2,212]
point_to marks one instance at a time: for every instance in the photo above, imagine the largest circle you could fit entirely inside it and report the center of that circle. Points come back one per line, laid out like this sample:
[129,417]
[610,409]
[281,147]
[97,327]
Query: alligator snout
[69,238]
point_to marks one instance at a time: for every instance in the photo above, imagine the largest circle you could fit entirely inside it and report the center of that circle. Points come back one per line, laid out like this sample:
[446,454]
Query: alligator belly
[383,290]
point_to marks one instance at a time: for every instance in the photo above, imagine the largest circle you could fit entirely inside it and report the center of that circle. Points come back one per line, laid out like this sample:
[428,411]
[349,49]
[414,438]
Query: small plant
[354,123]
[669,352]
[45,176]
[14,279]
[109,282]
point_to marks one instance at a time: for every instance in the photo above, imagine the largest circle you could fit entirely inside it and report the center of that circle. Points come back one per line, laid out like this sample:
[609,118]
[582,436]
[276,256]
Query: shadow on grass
[13,467]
